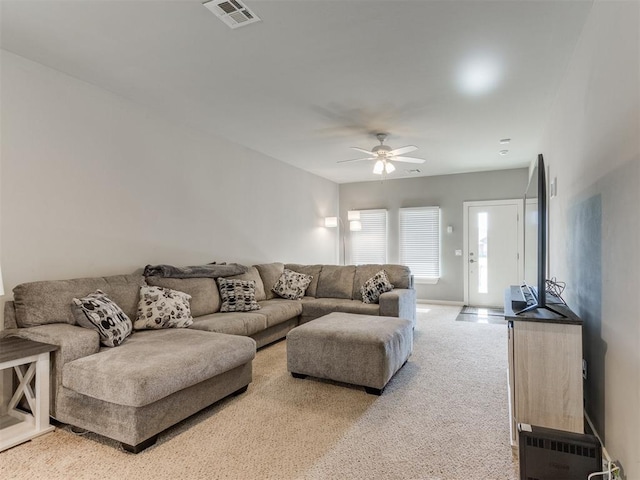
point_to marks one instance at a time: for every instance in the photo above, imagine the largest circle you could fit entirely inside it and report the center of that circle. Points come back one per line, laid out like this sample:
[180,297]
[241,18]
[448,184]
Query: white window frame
[432,229]
[371,243]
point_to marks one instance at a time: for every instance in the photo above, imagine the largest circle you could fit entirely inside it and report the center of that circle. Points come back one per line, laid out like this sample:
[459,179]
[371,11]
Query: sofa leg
[374,391]
[240,391]
[141,446]
[298,375]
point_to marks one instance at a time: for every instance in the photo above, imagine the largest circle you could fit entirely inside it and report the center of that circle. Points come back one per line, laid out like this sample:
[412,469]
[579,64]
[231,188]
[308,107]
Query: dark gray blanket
[211,270]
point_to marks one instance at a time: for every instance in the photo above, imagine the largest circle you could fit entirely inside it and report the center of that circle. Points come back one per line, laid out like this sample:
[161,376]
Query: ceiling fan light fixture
[385,155]
[389,168]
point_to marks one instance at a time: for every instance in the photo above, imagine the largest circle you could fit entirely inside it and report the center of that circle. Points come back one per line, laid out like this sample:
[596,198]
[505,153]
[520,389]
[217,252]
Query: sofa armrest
[399,302]
[74,342]
[10,316]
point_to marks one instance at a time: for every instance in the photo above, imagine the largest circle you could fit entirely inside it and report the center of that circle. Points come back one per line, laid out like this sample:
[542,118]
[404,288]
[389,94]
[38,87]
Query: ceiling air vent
[232,12]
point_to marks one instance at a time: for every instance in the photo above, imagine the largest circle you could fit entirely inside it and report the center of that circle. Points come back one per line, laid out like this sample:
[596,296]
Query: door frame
[518,202]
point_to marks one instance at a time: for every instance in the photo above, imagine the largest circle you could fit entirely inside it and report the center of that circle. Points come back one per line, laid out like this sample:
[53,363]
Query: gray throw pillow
[292,285]
[375,286]
[237,295]
[163,308]
[97,312]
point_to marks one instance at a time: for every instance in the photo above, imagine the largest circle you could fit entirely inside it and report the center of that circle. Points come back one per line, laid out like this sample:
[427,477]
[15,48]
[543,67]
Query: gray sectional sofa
[157,378]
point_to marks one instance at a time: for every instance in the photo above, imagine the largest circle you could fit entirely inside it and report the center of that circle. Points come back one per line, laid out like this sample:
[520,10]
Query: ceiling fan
[384,155]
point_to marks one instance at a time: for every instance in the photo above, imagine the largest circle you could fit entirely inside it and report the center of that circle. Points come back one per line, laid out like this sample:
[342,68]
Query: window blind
[369,245]
[420,241]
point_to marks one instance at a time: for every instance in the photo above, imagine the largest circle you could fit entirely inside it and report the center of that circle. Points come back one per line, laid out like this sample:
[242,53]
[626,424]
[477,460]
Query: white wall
[592,147]
[446,191]
[93,184]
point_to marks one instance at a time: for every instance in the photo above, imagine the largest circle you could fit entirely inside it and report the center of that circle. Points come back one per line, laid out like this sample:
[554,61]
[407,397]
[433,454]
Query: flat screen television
[535,240]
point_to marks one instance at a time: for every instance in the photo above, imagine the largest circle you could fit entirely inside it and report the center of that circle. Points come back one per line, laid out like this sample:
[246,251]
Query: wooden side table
[28,359]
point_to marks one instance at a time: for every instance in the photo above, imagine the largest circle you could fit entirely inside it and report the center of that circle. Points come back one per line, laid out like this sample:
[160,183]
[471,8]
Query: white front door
[492,243]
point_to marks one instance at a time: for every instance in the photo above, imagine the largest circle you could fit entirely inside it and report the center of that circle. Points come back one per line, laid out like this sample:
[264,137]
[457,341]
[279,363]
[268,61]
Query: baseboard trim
[440,302]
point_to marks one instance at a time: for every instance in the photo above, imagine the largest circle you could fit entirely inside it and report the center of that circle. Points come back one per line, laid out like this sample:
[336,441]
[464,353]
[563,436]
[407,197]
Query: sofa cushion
[233,323]
[336,281]
[317,307]
[41,303]
[254,275]
[270,273]
[292,285]
[279,310]
[375,286]
[163,308]
[399,276]
[312,270]
[205,298]
[97,312]
[237,295]
[154,364]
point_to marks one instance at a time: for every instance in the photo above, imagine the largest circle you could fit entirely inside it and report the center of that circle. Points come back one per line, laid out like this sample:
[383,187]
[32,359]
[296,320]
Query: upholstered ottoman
[359,349]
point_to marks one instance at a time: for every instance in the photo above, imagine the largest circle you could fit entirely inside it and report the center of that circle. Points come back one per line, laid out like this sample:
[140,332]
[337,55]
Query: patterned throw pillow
[292,285]
[163,308]
[97,312]
[375,286]
[237,295]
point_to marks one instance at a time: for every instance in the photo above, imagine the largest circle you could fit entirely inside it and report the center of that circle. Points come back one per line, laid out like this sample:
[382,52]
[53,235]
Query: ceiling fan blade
[407,159]
[401,150]
[368,152]
[355,160]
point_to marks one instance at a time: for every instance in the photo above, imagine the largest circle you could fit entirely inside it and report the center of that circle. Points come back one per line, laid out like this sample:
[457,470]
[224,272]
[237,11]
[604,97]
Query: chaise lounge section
[132,392]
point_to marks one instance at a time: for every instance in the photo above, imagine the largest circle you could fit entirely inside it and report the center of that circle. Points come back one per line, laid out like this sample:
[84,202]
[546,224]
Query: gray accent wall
[592,149]
[446,191]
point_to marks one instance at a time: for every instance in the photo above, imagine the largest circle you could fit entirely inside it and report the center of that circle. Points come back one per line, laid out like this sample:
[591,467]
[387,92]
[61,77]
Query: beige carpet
[443,416]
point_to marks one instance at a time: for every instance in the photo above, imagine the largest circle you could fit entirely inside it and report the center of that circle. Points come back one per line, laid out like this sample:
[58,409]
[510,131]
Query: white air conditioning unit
[232,12]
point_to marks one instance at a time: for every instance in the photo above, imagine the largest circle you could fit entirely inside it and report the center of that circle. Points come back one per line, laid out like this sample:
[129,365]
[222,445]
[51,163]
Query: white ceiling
[315,77]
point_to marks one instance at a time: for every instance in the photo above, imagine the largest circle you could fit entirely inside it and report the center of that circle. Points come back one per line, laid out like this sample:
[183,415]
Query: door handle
[472,261]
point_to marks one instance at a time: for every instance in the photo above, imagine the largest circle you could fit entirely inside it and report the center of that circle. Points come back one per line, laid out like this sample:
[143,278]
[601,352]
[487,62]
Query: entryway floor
[481,315]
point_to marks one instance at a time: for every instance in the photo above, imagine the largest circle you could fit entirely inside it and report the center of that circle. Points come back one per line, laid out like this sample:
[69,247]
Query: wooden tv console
[545,369]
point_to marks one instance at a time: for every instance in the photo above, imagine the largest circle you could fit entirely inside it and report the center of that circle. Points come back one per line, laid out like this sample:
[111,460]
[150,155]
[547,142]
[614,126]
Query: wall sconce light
[331,222]
[355,225]
[354,220]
